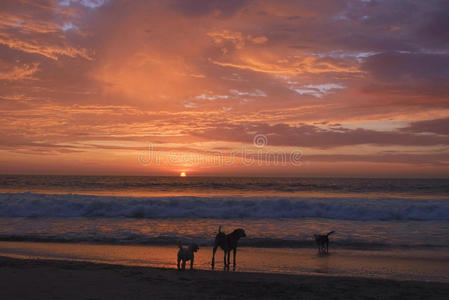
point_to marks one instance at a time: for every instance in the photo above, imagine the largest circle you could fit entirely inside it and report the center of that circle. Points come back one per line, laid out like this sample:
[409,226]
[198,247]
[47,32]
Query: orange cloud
[18,72]
[50,51]
[96,81]
[297,65]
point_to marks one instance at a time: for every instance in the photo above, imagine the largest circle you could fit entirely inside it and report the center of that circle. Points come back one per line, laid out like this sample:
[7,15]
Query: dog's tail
[219,229]
[330,233]
[179,244]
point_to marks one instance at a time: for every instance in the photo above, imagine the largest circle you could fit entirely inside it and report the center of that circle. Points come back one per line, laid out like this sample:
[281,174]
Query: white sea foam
[73,205]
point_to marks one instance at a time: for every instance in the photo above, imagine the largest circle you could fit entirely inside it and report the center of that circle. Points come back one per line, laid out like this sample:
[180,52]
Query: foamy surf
[339,208]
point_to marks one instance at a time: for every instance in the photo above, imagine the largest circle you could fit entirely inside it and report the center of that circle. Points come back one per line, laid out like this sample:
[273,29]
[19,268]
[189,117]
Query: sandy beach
[46,279]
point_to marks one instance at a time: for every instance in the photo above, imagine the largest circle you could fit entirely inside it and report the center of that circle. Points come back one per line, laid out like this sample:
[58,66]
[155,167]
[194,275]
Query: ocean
[275,212]
[384,228]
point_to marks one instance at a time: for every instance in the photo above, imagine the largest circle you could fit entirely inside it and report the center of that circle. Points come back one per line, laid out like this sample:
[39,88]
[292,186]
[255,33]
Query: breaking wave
[340,208]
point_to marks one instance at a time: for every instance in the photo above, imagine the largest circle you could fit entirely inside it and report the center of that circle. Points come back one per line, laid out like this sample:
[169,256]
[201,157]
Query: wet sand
[398,264]
[46,279]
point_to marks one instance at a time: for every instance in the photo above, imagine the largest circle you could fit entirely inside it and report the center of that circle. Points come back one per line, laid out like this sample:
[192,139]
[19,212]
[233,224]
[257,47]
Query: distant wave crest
[73,205]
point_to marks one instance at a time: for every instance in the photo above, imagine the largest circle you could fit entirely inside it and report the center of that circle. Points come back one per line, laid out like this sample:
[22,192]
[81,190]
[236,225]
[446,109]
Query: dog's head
[240,232]
[194,247]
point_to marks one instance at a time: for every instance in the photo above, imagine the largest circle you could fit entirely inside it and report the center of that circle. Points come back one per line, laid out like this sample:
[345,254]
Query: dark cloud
[397,67]
[407,158]
[385,26]
[435,27]
[413,74]
[224,8]
[438,126]
[316,137]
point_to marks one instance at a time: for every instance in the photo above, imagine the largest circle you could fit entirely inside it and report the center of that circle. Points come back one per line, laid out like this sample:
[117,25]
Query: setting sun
[183,174]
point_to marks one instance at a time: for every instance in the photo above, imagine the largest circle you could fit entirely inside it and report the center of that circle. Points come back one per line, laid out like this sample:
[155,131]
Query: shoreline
[62,279]
[427,265]
[249,242]
[275,244]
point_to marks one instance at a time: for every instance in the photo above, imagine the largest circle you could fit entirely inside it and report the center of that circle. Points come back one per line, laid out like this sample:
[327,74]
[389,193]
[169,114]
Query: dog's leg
[229,258]
[178,262]
[191,263]
[224,259]
[234,263]
[183,264]
[213,256]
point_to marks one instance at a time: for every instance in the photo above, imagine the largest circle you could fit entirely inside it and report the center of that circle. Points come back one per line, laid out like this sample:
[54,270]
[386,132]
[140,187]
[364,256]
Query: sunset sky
[353,87]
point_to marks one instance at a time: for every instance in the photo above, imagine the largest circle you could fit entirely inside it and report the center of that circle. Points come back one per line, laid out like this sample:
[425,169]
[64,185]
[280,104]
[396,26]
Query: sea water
[275,212]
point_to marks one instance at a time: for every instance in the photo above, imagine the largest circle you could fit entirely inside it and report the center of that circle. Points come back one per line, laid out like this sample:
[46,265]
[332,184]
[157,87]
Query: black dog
[186,254]
[322,241]
[227,242]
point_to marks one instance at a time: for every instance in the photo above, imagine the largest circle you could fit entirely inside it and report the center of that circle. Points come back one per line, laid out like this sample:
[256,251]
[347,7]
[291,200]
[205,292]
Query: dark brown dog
[322,241]
[227,242]
[186,254]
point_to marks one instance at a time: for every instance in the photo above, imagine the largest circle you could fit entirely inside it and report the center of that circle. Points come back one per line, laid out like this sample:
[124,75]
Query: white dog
[186,254]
